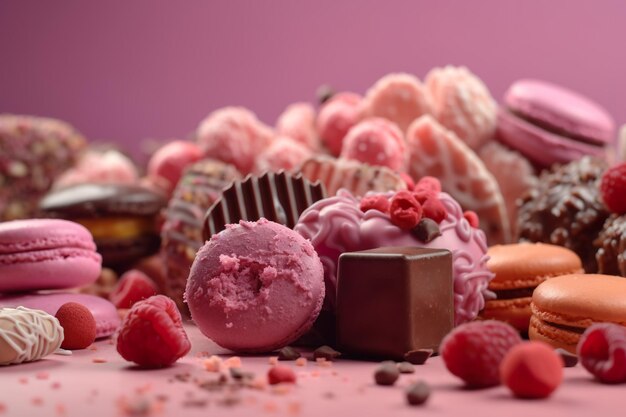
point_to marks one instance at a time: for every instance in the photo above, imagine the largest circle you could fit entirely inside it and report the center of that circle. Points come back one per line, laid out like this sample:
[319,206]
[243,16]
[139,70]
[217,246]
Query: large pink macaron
[105,313]
[551,124]
[43,254]
[255,287]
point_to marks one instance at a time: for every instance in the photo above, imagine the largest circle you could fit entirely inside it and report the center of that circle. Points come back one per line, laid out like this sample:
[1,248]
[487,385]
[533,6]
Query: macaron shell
[557,338]
[596,298]
[539,145]
[105,313]
[526,265]
[515,311]
[36,234]
[562,108]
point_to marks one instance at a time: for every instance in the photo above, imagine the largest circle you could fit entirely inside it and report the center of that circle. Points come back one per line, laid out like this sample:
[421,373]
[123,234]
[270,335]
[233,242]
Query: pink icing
[336,225]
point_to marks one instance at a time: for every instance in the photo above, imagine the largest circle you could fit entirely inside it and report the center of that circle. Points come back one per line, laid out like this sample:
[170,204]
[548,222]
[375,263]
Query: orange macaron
[519,268]
[563,307]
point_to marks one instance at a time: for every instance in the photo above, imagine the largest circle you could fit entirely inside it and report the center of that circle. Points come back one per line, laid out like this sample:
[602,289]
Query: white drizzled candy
[27,335]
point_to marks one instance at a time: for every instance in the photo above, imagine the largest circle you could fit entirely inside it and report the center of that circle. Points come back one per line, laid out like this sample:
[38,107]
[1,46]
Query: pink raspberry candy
[428,183]
[405,211]
[375,202]
[376,142]
[602,351]
[474,351]
[336,117]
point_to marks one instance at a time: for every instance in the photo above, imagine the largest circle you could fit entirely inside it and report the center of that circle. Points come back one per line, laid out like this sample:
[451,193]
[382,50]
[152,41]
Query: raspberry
[279,374]
[434,209]
[532,370]
[405,211]
[133,286]
[602,351]
[428,183]
[613,188]
[472,218]
[473,351]
[422,195]
[152,333]
[375,202]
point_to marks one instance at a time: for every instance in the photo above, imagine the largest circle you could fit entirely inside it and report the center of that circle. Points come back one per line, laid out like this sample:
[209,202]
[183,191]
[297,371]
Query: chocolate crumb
[426,230]
[387,373]
[406,368]
[418,357]
[569,359]
[326,352]
[417,393]
[238,375]
[288,354]
[324,93]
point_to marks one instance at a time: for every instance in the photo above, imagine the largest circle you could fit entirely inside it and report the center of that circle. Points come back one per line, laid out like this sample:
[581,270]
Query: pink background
[129,70]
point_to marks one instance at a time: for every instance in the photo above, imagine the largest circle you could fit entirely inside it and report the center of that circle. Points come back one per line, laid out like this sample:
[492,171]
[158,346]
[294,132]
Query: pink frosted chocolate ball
[96,166]
[375,141]
[297,121]
[399,98]
[167,164]
[463,104]
[283,154]
[336,117]
[255,287]
[233,135]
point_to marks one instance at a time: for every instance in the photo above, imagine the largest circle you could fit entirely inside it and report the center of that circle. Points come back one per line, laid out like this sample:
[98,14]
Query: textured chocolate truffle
[565,209]
[611,244]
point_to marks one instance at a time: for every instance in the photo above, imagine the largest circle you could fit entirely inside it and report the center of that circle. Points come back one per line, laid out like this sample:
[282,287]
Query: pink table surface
[109,386]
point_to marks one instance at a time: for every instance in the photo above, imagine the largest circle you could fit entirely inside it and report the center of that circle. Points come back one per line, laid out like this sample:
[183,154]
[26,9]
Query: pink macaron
[43,254]
[551,124]
[255,287]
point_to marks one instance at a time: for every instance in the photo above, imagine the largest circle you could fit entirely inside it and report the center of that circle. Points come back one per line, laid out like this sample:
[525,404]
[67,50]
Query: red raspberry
[410,184]
[434,209]
[613,188]
[472,218]
[532,370]
[152,334]
[428,183]
[405,211]
[375,202]
[278,374]
[422,195]
[473,351]
[133,286]
[602,351]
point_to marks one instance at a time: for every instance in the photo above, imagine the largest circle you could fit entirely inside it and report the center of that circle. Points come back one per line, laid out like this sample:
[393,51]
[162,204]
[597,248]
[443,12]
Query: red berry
[422,195]
[133,286]
[472,218]
[405,211]
[613,188]
[434,209]
[532,370]
[473,351]
[281,374]
[375,202]
[428,183]
[152,334]
[79,326]
[602,351]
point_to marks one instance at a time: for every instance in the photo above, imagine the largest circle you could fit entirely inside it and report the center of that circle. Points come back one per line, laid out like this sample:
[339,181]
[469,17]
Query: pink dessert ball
[399,98]
[336,117]
[167,164]
[298,122]
[97,166]
[283,154]
[255,287]
[463,104]
[233,135]
[375,141]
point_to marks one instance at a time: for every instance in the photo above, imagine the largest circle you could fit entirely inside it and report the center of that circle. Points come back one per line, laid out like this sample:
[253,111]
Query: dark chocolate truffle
[611,245]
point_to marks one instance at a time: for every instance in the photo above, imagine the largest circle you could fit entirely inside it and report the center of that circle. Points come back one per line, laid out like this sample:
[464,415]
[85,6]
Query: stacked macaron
[41,254]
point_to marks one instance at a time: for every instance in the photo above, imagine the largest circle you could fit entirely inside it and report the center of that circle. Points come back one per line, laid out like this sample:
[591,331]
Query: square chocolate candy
[394,300]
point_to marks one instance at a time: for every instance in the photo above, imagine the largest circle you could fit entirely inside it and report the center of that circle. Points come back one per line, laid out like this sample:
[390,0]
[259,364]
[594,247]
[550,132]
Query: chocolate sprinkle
[288,354]
[417,393]
[419,356]
[426,230]
[569,359]
[387,373]
[326,352]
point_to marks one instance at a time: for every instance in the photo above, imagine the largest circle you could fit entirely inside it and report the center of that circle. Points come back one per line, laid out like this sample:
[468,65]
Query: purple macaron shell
[105,313]
[41,254]
[561,108]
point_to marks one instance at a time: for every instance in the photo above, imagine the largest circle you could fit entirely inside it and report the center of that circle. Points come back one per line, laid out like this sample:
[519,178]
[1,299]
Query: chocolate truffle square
[394,300]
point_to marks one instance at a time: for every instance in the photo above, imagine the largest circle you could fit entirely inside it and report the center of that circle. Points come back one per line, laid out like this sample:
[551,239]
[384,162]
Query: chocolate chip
[387,373]
[326,352]
[288,354]
[426,230]
[418,357]
[569,359]
[406,368]
[417,393]
[325,93]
